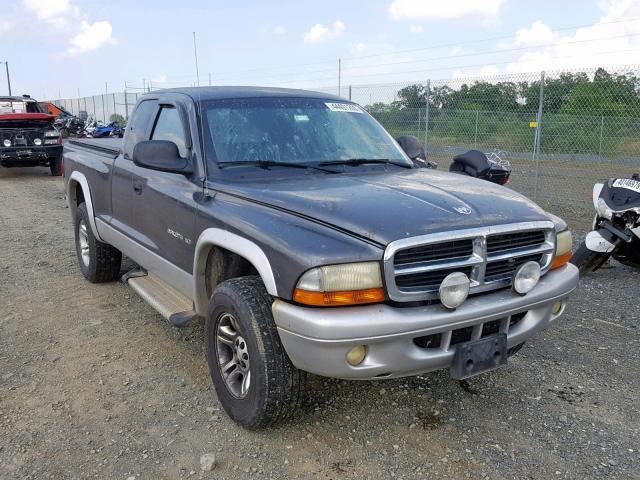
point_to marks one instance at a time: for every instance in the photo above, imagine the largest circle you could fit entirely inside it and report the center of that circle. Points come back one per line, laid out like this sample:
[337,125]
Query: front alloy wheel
[233,356]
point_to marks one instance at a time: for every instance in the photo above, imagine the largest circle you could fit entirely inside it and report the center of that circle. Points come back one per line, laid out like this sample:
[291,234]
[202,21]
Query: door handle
[137,187]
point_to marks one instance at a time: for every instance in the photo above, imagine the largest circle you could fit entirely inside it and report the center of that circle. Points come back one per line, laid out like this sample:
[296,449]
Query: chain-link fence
[561,131]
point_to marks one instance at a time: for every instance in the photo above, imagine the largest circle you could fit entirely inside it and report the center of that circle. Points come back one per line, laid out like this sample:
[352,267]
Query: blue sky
[59,46]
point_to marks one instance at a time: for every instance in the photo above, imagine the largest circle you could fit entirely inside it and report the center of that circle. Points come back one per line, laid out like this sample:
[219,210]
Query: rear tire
[64,133]
[260,386]
[587,260]
[55,165]
[99,261]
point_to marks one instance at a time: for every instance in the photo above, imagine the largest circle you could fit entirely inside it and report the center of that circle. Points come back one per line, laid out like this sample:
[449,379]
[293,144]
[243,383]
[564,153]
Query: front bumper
[29,156]
[317,340]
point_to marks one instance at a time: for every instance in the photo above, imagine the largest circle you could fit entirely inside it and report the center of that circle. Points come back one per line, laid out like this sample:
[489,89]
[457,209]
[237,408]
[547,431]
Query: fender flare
[247,249]
[77,177]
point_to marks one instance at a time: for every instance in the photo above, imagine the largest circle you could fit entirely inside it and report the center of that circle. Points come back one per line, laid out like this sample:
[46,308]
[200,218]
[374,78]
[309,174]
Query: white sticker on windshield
[301,118]
[344,107]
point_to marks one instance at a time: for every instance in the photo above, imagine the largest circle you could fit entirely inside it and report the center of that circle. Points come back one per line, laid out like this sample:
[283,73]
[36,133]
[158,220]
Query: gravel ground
[95,384]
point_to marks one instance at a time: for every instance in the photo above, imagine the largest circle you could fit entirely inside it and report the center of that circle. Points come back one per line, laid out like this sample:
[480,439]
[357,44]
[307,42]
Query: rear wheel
[587,260]
[64,133]
[99,261]
[256,382]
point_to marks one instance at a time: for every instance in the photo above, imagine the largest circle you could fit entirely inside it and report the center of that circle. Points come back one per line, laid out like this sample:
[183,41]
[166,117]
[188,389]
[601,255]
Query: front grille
[505,269]
[21,137]
[415,267]
[430,280]
[428,253]
[509,241]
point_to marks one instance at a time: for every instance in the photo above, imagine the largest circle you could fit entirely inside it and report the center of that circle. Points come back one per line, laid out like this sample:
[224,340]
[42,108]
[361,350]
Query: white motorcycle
[616,226]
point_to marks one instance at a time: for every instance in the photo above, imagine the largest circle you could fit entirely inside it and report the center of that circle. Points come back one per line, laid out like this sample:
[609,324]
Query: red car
[27,135]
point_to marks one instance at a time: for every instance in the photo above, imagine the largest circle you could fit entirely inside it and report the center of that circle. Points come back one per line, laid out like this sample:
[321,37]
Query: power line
[432,47]
[444,57]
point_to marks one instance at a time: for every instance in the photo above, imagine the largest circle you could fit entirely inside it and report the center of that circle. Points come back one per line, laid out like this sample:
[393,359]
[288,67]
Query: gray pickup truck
[309,241]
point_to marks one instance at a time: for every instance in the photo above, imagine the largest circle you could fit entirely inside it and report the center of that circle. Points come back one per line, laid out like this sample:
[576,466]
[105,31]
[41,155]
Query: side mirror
[412,147]
[161,155]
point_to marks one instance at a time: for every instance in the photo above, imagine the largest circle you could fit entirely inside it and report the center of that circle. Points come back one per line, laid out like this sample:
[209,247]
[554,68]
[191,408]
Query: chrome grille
[489,256]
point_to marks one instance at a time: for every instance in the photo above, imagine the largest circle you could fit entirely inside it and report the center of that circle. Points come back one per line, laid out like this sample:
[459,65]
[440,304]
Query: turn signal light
[336,299]
[561,260]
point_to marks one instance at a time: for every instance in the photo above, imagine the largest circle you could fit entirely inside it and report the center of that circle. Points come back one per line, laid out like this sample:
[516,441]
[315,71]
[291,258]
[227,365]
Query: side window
[169,127]
[138,126]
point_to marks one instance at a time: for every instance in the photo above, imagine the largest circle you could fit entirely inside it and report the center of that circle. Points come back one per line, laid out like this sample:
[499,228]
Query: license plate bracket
[479,356]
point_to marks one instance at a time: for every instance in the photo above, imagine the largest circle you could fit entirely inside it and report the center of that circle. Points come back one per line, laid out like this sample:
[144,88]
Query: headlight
[564,244]
[454,290]
[526,277]
[37,141]
[345,284]
[7,142]
[51,133]
[603,209]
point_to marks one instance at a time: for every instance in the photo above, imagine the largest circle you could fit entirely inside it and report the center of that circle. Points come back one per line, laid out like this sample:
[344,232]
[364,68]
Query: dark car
[27,135]
[308,241]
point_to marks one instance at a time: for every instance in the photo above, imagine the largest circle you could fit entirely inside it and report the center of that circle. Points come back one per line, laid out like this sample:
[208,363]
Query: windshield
[294,130]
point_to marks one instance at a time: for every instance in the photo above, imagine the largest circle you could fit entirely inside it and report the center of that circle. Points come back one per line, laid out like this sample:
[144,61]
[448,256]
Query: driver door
[163,204]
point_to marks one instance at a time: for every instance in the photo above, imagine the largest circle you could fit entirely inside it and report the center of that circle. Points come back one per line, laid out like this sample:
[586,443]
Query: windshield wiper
[360,161]
[266,164]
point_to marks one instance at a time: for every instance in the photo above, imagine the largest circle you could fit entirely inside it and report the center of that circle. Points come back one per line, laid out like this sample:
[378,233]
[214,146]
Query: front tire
[256,383]
[55,165]
[587,260]
[99,261]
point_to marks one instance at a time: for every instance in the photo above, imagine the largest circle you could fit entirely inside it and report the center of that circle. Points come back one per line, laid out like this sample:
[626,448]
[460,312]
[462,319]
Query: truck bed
[110,145]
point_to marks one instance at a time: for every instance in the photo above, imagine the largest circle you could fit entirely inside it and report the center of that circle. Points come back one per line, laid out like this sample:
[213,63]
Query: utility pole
[195,54]
[6,66]
[339,74]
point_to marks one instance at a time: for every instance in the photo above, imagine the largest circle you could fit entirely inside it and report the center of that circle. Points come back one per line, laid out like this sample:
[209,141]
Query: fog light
[526,277]
[7,142]
[356,355]
[37,141]
[454,289]
[556,308]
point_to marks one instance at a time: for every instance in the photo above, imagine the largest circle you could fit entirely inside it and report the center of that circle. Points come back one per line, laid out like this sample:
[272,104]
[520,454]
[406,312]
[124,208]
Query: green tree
[119,119]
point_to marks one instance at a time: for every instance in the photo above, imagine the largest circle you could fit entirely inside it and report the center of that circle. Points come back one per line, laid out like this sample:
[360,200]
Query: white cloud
[438,10]
[537,34]
[91,36]
[587,47]
[49,10]
[320,34]
[358,48]
[489,71]
[279,30]
[415,29]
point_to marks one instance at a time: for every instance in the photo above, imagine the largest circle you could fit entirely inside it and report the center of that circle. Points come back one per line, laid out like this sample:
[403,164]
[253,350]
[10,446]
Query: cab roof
[220,93]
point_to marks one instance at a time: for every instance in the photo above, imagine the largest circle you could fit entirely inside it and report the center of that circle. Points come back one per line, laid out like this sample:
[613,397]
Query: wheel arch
[213,238]
[78,183]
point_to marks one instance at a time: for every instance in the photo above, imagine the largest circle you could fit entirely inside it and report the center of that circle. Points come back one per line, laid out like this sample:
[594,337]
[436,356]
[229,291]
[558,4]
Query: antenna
[195,54]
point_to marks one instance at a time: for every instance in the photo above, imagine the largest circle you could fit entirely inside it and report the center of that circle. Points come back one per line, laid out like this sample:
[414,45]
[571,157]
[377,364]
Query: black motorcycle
[473,163]
[616,226]
[68,125]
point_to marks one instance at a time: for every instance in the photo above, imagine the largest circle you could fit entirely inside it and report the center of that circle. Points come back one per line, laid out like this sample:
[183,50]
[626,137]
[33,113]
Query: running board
[171,304]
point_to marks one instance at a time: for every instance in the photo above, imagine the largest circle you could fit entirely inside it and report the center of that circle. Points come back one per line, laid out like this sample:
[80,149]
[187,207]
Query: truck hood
[384,206]
[26,120]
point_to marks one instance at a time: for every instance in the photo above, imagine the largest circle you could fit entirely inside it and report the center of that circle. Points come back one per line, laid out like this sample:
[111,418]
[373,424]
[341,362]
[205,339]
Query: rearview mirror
[161,155]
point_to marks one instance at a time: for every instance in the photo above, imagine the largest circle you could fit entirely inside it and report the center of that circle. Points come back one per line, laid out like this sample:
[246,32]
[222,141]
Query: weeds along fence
[561,131]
